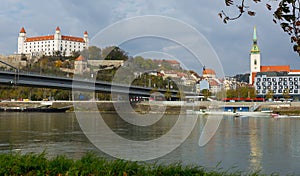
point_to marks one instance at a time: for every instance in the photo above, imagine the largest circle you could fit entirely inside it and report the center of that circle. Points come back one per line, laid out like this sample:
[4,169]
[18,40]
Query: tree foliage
[92,53]
[286,13]
[114,53]
[241,92]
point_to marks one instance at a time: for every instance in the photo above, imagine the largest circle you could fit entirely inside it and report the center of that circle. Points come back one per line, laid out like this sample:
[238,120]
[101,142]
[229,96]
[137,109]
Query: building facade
[56,44]
[278,84]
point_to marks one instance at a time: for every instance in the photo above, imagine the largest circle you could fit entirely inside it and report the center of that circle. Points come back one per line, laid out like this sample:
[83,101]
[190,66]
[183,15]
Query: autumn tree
[286,13]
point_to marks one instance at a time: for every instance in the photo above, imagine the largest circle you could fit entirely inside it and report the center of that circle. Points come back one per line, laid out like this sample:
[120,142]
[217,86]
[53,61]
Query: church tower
[254,58]
[21,40]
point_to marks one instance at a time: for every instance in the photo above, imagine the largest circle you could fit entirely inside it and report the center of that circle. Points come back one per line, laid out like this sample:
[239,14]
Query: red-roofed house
[208,73]
[51,44]
[80,65]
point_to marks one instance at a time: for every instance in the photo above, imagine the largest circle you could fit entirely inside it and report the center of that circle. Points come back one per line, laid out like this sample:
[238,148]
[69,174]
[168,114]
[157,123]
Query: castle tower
[254,58]
[21,40]
[57,39]
[86,39]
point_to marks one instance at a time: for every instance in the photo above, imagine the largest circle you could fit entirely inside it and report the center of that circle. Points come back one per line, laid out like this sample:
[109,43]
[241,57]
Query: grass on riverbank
[38,164]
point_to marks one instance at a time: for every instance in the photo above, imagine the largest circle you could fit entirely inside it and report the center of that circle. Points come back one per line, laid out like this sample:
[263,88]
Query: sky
[231,42]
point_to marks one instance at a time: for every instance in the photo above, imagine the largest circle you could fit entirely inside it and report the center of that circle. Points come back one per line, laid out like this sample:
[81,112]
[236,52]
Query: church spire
[254,35]
[254,49]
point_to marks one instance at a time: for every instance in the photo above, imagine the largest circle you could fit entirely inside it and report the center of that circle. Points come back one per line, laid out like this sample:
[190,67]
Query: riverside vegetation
[90,164]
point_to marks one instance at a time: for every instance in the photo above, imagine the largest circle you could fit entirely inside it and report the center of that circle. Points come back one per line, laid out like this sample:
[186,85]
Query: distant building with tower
[277,80]
[51,44]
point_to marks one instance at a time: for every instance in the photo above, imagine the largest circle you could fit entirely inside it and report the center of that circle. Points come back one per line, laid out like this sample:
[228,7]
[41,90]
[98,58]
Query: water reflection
[248,143]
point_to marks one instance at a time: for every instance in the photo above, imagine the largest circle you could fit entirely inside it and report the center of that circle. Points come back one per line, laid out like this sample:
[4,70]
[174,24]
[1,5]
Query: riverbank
[168,107]
[39,164]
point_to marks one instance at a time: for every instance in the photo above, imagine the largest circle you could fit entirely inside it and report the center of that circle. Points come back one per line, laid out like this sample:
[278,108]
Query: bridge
[41,81]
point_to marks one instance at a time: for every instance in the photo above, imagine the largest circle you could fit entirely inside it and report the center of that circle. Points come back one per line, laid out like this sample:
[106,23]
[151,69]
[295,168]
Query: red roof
[40,38]
[22,30]
[71,38]
[86,33]
[208,72]
[295,70]
[213,83]
[57,28]
[172,61]
[51,37]
[253,76]
[80,58]
[277,68]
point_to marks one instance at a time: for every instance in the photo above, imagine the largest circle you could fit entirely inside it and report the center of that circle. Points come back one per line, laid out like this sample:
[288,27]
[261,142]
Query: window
[295,91]
[279,91]
[285,79]
[280,79]
[274,91]
[273,79]
[269,79]
[274,87]
[258,79]
[264,79]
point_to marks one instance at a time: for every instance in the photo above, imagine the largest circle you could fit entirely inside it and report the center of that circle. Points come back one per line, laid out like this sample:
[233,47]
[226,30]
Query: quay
[172,107]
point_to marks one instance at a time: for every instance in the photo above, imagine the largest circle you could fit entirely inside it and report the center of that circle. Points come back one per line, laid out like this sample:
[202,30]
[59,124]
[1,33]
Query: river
[269,145]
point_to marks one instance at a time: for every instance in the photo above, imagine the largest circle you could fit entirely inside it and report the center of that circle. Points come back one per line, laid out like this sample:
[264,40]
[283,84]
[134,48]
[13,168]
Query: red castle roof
[22,30]
[51,37]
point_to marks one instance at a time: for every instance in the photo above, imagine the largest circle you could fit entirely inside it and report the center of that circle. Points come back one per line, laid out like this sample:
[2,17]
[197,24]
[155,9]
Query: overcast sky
[231,42]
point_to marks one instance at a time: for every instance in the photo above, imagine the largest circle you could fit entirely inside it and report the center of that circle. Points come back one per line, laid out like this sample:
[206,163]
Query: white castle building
[51,44]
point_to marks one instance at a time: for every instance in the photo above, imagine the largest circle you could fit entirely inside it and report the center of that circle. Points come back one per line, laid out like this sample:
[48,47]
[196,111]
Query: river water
[247,143]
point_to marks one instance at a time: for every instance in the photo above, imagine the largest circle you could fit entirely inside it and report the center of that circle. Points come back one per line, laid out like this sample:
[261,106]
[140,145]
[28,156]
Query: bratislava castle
[51,44]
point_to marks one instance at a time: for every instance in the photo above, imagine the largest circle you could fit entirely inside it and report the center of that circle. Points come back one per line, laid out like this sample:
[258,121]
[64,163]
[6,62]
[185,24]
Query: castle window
[255,62]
